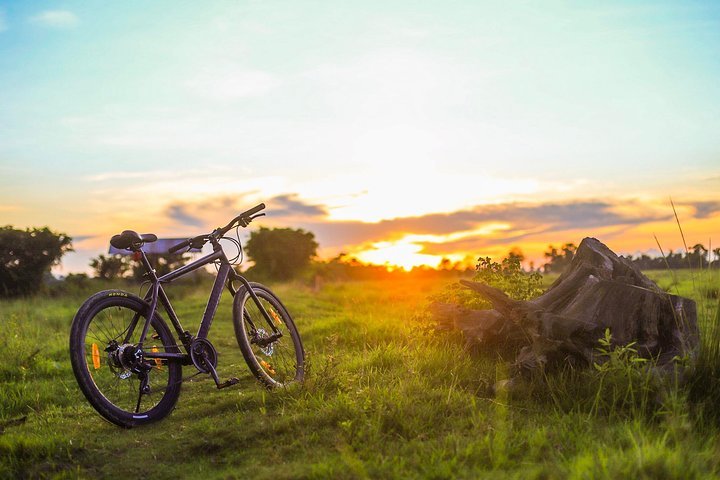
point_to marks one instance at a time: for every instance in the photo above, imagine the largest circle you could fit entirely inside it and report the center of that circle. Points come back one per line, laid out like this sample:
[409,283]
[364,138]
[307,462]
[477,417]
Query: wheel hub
[125,359]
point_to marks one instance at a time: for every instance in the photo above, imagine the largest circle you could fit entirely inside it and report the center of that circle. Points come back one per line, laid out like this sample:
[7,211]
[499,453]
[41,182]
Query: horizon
[399,134]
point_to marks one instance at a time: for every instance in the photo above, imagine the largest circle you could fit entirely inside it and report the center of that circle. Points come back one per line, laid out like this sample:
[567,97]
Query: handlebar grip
[179,246]
[253,210]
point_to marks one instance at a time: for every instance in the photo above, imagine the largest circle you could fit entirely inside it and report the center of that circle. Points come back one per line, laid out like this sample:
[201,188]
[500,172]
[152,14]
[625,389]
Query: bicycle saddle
[129,238]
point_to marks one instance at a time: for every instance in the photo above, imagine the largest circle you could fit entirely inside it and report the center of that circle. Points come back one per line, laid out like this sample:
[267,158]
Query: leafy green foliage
[27,255]
[280,253]
[623,378]
[110,267]
[507,275]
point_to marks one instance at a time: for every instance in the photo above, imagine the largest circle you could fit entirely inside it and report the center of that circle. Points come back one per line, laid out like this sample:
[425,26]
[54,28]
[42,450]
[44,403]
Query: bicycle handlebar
[243,219]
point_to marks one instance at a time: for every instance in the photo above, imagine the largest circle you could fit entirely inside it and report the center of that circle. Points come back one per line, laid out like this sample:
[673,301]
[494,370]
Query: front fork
[276,333]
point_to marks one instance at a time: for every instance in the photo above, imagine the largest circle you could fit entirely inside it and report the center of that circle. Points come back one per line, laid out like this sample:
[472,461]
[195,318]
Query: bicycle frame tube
[157,293]
[214,300]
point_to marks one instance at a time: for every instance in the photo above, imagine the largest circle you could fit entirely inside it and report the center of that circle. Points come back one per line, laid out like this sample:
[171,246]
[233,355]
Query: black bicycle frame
[157,293]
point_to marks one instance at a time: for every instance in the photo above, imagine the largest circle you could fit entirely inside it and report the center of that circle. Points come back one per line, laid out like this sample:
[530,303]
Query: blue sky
[354,118]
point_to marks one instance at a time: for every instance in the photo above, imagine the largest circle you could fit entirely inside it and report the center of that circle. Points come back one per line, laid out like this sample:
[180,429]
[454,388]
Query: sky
[397,132]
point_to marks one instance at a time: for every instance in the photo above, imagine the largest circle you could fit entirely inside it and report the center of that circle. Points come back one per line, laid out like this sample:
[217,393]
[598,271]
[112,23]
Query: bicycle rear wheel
[123,386]
[277,363]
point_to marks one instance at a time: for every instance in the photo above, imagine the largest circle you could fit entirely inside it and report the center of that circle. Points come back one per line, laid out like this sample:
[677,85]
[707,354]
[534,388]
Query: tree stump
[599,291]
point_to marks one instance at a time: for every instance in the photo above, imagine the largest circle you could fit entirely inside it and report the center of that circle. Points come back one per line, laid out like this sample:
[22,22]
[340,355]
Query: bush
[508,276]
[27,255]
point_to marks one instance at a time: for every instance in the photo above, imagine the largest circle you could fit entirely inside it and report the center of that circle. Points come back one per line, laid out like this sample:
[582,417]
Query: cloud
[291,206]
[705,209]
[466,230]
[521,221]
[56,19]
[180,214]
[282,209]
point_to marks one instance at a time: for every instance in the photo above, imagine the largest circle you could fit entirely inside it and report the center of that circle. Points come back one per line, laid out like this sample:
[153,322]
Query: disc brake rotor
[261,334]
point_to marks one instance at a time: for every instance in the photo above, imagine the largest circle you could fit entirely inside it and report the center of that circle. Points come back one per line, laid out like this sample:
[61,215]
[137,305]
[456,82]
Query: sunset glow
[399,135]
[397,254]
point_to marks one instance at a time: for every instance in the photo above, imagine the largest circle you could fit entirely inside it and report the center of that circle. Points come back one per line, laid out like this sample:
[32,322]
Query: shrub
[27,255]
[508,276]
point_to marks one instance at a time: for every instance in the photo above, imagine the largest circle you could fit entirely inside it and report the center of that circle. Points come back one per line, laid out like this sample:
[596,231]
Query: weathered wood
[598,291]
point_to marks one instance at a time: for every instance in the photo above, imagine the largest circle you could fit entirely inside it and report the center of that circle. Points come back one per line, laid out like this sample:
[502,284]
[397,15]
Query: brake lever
[198,242]
[245,221]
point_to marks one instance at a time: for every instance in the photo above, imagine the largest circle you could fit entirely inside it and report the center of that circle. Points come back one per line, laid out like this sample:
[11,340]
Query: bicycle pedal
[228,383]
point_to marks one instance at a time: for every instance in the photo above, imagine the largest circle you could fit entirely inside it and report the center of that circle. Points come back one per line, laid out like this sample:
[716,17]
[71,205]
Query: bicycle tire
[280,363]
[103,318]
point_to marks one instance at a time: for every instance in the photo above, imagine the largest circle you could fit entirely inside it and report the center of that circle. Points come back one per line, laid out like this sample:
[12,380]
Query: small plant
[621,383]
[507,275]
[704,387]
[624,381]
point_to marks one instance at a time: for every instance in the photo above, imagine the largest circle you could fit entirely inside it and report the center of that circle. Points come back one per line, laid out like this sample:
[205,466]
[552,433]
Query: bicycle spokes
[123,375]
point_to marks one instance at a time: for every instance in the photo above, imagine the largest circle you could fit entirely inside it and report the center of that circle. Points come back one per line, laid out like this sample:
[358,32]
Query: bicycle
[127,361]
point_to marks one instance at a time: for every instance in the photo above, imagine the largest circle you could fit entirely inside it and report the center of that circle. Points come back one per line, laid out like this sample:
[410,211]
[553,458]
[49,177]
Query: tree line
[26,257]
[698,257]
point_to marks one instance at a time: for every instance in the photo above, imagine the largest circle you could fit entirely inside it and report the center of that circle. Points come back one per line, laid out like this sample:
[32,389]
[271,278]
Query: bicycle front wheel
[123,386]
[275,363]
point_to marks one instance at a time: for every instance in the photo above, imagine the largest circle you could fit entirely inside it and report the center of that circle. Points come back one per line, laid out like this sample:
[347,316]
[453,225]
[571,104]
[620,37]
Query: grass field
[385,398]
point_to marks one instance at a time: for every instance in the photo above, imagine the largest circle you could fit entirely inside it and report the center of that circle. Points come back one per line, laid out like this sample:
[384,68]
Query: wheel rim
[277,361]
[112,365]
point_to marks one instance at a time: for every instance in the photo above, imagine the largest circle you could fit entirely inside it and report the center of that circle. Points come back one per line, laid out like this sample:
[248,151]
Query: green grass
[384,398]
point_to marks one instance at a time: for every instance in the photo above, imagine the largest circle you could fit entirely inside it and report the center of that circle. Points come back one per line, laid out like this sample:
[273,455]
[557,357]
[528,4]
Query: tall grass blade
[667,264]
[687,250]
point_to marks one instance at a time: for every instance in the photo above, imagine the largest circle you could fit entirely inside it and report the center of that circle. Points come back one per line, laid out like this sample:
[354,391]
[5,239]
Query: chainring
[203,355]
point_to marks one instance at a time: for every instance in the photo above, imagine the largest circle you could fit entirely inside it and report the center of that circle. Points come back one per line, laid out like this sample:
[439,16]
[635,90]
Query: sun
[402,254]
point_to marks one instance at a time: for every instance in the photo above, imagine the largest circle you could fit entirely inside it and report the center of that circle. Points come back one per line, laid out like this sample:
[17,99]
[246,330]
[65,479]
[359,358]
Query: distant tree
[26,256]
[697,256]
[560,259]
[445,264]
[110,267]
[515,255]
[280,253]
[77,279]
